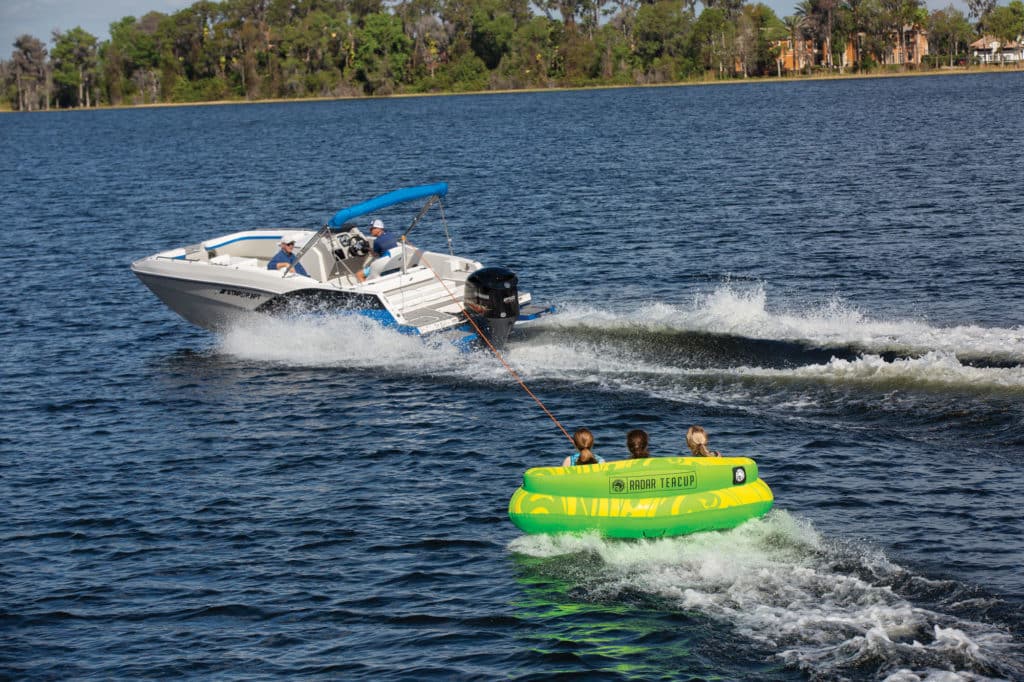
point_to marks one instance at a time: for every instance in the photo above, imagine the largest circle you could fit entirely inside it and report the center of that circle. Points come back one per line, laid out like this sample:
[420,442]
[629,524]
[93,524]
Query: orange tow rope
[497,354]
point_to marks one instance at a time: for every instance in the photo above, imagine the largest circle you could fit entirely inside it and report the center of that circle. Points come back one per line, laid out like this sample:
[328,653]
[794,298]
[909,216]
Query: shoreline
[941,71]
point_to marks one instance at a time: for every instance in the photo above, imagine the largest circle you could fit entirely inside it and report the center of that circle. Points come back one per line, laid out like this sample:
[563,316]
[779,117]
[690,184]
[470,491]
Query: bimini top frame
[432,193]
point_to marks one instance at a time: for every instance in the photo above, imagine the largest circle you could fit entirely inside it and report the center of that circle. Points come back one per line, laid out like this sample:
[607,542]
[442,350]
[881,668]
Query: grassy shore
[942,71]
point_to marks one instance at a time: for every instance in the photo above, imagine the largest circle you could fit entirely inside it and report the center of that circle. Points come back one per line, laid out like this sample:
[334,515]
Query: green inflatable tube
[641,498]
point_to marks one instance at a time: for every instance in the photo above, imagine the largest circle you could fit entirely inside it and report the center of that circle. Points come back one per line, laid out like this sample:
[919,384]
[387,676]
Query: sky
[40,17]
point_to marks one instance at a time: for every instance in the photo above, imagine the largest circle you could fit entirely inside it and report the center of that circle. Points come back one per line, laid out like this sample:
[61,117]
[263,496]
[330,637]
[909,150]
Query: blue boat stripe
[242,239]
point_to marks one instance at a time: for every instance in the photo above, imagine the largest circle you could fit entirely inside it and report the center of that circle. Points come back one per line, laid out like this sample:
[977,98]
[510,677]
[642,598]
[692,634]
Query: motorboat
[215,282]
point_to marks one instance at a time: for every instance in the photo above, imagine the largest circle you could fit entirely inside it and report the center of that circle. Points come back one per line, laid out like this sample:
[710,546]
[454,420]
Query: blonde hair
[583,439]
[697,441]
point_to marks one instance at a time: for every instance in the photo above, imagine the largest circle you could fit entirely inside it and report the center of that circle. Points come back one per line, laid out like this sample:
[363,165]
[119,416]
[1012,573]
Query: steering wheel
[357,246]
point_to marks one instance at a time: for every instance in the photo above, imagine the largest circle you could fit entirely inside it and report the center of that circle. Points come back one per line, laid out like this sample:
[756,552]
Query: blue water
[826,275]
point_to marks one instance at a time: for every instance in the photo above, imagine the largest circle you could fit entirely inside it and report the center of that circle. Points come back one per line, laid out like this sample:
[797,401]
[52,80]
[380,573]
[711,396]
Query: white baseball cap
[377,222]
[292,239]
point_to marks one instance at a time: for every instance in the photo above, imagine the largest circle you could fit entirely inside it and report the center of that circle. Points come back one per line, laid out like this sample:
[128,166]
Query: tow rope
[496,352]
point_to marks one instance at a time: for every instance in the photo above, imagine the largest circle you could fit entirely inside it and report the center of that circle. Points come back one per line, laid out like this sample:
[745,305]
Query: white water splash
[835,323]
[333,341]
[938,369]
[778,582]
[613,364]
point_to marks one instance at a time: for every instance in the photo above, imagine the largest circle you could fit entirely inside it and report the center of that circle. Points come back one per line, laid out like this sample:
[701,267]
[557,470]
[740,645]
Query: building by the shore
[991,50]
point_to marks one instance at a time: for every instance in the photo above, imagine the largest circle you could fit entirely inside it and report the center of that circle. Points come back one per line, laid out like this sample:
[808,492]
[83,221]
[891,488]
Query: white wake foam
[356,342]
[613,364]
[776,581]
[335,341]
[834,323]
[936,369]
[608,365]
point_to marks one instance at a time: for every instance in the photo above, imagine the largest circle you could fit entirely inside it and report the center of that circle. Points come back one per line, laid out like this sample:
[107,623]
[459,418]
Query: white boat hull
[218,282]
[210,305]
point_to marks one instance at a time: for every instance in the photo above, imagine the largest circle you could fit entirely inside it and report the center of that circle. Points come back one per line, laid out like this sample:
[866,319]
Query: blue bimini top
[398,196]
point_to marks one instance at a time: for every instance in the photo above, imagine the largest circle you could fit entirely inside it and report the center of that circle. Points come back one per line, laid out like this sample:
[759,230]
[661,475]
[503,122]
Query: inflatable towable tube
[637,498]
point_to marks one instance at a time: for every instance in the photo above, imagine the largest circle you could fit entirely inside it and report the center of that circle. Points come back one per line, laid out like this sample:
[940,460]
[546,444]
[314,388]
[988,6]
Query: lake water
[826,275]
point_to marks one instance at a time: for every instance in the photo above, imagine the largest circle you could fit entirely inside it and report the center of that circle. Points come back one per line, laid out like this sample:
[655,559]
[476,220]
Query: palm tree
[795,26]
[901,14]
[856,10]
[820,17]
[827,8]
[807,11]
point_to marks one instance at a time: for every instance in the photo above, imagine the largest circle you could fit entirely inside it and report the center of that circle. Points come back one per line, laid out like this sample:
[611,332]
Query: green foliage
[713,40]
[292,77]
[492,32]
[299,48]
[467,74]
[74,60]
[28,71]
[382,53]
[8,95]
[323,83]
[661,33]
[135,41]
[1005,22]
[935,61]
[613,56]
[201,90]
[949,32]
[756,28]
[533,59]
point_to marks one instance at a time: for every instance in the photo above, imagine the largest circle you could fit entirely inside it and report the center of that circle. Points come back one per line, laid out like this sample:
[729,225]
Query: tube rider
[383,243]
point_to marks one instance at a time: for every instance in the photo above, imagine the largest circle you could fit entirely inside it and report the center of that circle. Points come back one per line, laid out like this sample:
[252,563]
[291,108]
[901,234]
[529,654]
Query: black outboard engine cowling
[492,297]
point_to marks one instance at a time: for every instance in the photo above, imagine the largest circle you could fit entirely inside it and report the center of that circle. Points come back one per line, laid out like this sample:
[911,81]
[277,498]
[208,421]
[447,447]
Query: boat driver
[383,244]
[286,256]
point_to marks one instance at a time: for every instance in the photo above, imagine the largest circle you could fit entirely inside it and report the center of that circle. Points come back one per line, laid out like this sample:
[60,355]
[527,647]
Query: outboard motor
[492,296]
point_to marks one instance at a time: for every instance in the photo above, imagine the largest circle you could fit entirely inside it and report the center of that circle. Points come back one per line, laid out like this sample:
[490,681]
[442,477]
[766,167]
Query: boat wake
[730,336]
[728,341]
[832,610]
[936,369]
[604,364]
[343,341]
[834,326]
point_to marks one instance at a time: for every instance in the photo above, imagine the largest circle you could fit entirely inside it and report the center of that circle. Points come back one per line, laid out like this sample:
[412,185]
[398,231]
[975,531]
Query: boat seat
[235,261]
[317,264]
[383,266]
[414,257]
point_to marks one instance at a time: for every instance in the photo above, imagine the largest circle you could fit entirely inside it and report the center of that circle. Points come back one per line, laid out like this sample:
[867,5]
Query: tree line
[263,49]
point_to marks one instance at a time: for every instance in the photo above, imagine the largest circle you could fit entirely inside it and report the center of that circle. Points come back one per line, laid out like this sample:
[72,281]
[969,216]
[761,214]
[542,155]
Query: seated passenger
[697,441]
[583,439]
[286,256]
[384,244]
[636,443]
